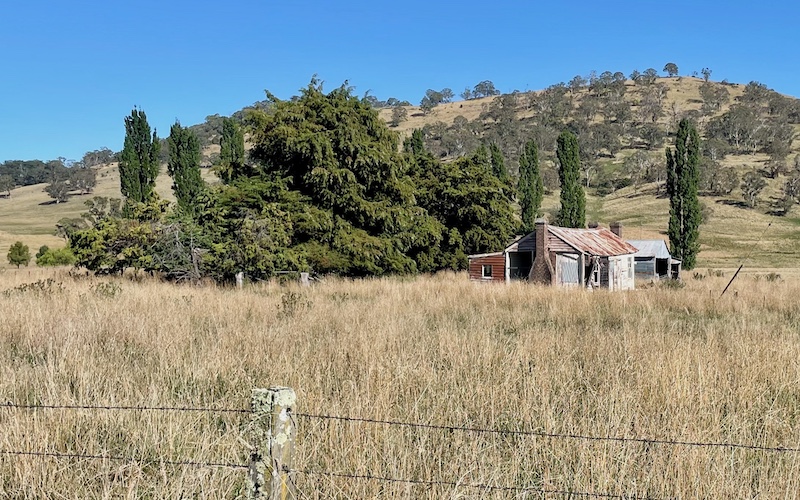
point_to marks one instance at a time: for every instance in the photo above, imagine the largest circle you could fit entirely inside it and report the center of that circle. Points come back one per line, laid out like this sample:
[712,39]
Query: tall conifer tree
[138,163]
[573,199]
[184,166]
[683,177]
[231,151]
[531,186]
[498,162]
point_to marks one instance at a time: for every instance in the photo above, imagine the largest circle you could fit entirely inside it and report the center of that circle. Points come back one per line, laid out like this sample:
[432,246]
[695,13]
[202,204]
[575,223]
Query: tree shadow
[45,203]
[734,203]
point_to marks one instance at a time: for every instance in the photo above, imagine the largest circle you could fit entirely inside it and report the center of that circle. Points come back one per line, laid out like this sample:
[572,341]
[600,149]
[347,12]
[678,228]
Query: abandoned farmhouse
[593,258]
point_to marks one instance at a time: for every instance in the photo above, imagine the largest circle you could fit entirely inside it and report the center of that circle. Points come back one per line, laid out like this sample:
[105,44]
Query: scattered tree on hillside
[706,74]
[640,167]
[484,89]
[18,254]
[58,189]
[530,187]
[573,199]
[671,69]
[6,184]
[752,184]
[577,83]
[231,152]
[97,157]
[184,167]
[682,183]
[138,162]
[433,98]
[714,96]
[84,179]
[399,115]
[715,179]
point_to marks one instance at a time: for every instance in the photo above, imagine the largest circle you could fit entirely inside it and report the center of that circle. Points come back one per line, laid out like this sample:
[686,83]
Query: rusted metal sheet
[599,241]
[487,267]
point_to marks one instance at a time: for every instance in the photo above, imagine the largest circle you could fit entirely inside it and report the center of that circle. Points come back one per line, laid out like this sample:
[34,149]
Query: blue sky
[71,71]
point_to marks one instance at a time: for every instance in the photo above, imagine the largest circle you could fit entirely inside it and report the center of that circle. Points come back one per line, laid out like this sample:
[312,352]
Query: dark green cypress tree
[531,186]
[231,152]
[683,176]
[415,144]
[184,166]
[573,199]
[138,162]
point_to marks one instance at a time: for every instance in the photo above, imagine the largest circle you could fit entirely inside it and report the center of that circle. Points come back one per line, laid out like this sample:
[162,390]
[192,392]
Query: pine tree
[531,186]
[18,254]
[184,166]
[231,151]
[138,163]
[683,177]
[573,199]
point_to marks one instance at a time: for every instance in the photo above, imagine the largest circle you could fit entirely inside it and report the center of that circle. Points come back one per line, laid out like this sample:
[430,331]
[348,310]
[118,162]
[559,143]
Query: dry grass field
[656,364]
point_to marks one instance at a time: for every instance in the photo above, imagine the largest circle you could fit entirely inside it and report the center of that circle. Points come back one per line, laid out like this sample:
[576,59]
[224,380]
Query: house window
[630,268]
[486,271]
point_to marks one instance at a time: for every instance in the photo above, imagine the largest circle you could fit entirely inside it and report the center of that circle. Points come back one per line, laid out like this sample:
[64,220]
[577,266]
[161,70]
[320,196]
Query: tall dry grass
[656,363]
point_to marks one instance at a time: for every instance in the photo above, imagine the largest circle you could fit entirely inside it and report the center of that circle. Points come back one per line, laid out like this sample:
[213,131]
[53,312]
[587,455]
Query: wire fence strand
[554,435]
[450,428]
[120,408]
[478,486]
[84,456]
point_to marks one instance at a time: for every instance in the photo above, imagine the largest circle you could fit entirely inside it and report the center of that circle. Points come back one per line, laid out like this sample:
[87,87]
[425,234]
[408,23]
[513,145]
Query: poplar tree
[231,151]
[531,186]
[184,166]
[498,162]
[573,199]
[138,163]
[683,177]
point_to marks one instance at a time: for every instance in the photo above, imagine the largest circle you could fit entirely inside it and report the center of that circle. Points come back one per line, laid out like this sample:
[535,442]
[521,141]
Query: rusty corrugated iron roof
[600,241]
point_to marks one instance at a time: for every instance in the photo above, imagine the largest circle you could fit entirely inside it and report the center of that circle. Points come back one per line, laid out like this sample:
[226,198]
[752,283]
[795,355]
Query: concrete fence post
[239,280]
[272,435]
[305,279]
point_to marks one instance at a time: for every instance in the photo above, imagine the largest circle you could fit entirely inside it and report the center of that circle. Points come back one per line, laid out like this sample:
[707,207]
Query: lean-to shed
[653,261]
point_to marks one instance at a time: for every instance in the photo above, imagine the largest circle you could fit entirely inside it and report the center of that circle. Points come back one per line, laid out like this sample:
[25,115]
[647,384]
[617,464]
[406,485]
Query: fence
[273,427]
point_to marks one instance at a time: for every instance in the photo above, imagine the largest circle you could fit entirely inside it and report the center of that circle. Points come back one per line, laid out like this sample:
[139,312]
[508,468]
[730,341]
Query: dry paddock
[673,372]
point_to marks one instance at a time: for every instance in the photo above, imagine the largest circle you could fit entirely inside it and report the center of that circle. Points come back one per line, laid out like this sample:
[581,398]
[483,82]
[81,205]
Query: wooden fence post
[272,433]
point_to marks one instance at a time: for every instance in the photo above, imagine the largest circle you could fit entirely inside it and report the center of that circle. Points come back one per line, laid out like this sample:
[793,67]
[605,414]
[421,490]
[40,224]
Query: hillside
[731,231]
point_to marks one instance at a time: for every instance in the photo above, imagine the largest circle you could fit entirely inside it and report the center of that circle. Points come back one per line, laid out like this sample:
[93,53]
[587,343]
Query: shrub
[55,257]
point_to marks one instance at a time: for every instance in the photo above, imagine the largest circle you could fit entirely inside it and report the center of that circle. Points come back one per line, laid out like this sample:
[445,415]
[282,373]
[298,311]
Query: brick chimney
[616,228]
[542,269]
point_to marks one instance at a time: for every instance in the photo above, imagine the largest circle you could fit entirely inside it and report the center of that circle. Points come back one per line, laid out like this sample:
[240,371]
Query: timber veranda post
[272,437]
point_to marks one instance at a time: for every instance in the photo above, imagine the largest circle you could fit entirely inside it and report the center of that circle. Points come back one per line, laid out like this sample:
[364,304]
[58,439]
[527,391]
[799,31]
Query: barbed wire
[450,428]
[478,486]
[84,456]
[553,435]
[121,408]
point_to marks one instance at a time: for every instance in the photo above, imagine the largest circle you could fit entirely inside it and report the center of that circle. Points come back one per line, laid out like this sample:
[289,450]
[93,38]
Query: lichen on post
[272,435]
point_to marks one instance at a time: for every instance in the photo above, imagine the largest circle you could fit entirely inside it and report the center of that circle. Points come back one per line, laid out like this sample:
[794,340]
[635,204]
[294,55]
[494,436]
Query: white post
[304,279]
[272,434]
[239,279]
